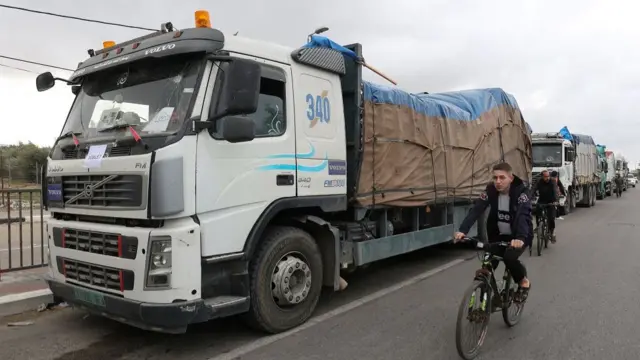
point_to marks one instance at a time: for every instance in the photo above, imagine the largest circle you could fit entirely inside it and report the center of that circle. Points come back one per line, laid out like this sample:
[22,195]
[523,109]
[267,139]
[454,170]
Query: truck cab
[552,152]
[159,119]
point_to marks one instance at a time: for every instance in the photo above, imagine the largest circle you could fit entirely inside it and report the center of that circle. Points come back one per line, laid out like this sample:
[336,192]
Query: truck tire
[286,280]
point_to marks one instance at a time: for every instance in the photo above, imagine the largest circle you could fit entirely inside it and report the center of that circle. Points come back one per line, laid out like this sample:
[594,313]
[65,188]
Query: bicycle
[543,235]
[485,280]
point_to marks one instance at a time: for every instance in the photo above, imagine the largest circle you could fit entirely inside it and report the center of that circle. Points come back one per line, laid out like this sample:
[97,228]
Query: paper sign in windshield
[94,156]
[160,121]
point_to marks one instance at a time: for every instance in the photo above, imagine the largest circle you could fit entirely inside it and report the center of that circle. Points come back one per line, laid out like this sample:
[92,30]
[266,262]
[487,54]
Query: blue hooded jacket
[519,209]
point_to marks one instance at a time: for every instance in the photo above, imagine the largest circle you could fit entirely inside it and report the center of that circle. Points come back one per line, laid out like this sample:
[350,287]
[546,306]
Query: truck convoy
[200,175]
[575,158]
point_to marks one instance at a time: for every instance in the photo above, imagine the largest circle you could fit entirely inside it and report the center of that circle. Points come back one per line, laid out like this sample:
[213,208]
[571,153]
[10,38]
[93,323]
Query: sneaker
[560,218]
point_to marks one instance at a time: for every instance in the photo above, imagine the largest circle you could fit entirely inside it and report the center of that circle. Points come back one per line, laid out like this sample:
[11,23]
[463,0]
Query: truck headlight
[159,262]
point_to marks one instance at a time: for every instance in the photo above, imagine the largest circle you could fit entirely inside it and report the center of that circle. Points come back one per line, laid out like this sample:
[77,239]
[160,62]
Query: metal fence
[22,235]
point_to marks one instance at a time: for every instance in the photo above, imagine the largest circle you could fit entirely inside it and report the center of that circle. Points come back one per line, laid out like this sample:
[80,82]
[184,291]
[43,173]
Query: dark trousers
[551,215]
[511,259]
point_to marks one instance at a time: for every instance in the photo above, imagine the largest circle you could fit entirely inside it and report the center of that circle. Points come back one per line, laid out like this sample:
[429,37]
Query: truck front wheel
[286,280]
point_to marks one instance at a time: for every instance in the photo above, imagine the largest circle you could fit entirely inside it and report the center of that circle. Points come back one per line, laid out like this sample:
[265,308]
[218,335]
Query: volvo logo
[87,193]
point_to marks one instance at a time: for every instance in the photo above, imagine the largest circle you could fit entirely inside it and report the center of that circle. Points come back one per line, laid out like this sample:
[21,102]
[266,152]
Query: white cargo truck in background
[200,175]
[575,159]
[611,173]
[622,168]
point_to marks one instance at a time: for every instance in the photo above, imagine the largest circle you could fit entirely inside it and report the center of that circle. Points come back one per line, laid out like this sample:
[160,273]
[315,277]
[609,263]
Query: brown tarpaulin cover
[410,159]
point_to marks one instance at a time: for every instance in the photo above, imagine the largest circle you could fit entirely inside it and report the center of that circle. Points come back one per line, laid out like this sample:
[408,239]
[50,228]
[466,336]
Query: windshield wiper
[114,127]
[133,132]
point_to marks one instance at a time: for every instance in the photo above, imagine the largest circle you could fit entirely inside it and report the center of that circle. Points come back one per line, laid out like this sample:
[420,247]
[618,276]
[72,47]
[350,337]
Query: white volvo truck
[169,207]
[576,162]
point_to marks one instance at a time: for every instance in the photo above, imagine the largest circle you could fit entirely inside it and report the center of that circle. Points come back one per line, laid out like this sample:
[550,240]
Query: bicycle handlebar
[481,245]
[547,205]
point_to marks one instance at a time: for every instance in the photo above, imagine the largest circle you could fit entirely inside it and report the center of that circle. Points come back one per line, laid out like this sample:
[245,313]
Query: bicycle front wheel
[473,319]
[540,238]
[547,237]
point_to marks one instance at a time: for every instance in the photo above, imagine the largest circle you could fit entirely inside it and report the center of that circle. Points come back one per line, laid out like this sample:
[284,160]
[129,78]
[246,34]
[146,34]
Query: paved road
[583,305]
[31,232]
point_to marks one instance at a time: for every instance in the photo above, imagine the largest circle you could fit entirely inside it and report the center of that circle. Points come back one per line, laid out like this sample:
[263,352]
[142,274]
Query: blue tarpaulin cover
[465,105]
[430,147]
[318,41]
[565,133]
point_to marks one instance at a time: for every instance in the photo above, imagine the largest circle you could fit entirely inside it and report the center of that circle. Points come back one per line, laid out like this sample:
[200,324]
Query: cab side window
[269,118]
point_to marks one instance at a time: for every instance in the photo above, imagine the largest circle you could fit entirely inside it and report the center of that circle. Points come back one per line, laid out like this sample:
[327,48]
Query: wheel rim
[290,280]
[477,320]
[515,309]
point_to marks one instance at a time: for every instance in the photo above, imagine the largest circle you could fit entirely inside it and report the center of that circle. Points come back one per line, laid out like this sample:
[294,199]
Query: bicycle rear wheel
[478,294]
[511,312]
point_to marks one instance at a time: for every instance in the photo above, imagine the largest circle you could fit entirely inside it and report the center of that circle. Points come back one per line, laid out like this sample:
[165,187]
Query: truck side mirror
[240,89]
[45,81]
[236,129]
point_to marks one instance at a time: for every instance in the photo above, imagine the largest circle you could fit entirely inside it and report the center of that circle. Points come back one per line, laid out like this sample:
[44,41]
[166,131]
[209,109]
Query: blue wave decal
[292,167]
[317,168]
[308,155]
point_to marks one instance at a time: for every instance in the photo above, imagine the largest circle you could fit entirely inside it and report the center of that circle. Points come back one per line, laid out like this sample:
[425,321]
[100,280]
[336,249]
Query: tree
[22,161]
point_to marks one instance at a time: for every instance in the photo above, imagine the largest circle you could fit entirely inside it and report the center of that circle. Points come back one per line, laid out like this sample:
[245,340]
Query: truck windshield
[152,96]
[547,155]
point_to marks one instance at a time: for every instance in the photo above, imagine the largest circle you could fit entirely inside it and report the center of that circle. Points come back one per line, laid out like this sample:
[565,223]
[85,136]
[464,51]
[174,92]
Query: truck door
[320,132]
[235,182]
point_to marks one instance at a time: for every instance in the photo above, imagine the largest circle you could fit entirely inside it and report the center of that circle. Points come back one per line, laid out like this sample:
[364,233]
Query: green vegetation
[20,164]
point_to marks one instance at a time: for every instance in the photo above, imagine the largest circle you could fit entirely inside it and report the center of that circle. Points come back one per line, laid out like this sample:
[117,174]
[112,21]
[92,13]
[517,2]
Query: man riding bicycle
[562,191]
[619,184]
[548,193]
[509,221]
[556,179]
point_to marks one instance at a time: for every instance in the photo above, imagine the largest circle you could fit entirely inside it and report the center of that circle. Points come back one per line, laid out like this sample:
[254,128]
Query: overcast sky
[570,62]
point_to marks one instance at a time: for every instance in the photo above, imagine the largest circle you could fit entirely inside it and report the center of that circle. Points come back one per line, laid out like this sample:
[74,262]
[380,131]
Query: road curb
[19,303]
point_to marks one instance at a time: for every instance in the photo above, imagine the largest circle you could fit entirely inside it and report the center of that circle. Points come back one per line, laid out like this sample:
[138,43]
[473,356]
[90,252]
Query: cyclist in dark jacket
[548,193]
[509,221]
[619,184]
[556,178]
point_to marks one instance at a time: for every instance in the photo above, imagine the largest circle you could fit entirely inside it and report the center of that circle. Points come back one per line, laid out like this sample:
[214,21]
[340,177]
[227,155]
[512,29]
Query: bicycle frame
[486,274]
[542,210]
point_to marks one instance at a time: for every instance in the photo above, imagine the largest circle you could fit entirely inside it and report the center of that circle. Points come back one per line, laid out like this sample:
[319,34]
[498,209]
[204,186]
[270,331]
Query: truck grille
[81,153]
[96,242]
[101,191]
[95,275]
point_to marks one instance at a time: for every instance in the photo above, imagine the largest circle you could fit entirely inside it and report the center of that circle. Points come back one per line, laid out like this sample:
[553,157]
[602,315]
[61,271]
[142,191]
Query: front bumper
[168,318]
